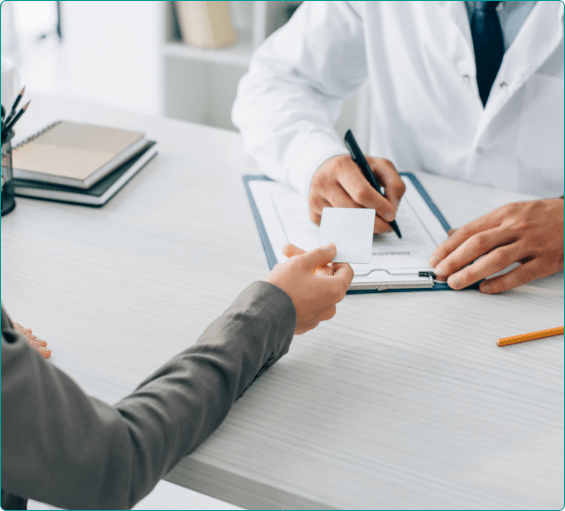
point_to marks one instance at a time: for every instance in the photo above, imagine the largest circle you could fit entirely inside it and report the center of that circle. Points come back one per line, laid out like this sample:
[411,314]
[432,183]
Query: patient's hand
[39,345]
[313,283]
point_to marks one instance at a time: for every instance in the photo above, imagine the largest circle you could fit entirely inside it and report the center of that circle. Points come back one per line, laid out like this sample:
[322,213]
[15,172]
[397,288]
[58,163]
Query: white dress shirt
[426,113]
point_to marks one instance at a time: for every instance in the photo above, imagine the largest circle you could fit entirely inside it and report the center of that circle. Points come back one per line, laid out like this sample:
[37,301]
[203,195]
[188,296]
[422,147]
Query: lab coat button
[480,150]
[466,78]
[503,85]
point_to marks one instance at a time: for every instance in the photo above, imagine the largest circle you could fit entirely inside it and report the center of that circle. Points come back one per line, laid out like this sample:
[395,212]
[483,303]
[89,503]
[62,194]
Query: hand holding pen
[339,182]
[358,157]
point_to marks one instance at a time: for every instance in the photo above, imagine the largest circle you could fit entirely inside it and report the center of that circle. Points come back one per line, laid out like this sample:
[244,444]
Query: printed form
[286,218]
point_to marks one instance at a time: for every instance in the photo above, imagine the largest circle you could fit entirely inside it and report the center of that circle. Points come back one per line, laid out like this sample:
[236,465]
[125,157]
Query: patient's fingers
[344,273]
[37,342]
[290,250]
[324,270]
[45,353]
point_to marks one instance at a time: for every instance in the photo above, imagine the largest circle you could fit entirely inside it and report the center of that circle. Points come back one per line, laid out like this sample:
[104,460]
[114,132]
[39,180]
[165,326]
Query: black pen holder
[8,201]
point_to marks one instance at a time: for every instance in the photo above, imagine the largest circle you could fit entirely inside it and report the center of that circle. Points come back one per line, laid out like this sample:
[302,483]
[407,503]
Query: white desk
[403,400]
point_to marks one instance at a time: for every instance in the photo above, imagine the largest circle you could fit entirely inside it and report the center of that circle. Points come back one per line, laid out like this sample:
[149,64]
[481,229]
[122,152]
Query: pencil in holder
[8,201]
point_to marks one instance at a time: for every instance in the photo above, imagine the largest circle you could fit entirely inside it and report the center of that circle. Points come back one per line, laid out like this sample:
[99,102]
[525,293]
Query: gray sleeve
[73,451]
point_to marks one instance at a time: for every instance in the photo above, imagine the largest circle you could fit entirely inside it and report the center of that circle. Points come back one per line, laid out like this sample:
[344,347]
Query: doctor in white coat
[430,111]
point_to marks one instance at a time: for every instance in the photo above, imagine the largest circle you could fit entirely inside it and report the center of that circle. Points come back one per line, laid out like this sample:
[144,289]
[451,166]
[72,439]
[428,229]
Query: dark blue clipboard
[272,260]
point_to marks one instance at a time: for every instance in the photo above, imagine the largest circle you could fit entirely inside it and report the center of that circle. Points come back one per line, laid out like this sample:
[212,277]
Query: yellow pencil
[530,337]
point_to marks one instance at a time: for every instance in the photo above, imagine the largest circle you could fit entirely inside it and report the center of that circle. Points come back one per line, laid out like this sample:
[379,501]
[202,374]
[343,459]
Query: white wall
[109,55]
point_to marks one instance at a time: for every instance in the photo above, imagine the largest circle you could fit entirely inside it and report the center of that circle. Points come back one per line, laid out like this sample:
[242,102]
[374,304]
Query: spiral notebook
[73,154]
[98,194]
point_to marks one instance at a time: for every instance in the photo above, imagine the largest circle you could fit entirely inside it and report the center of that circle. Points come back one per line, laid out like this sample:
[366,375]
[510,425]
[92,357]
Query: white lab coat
[426,113]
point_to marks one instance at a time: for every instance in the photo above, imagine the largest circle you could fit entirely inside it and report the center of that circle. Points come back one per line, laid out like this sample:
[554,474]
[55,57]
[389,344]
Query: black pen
[10,125]
[357,156]
[15,105]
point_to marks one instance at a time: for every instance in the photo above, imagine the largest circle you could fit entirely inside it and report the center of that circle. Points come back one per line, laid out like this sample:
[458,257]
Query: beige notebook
[72,154]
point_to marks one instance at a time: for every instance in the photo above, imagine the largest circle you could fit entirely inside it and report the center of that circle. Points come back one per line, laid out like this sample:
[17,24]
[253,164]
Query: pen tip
[26,105]
[22,91]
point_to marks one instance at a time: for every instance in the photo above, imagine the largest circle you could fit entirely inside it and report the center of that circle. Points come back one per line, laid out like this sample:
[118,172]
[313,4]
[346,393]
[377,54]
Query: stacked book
[205,24]
[78,163]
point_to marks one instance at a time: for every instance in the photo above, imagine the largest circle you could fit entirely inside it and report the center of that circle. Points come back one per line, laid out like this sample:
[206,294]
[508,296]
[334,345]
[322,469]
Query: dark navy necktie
[488,44]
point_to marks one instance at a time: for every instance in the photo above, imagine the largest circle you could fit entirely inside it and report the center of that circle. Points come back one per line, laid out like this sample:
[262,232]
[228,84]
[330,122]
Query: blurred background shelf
[130,54]
[209,77]
[237,55]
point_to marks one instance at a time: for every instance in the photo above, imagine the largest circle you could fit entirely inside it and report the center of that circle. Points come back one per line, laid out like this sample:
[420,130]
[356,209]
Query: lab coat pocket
[540,133]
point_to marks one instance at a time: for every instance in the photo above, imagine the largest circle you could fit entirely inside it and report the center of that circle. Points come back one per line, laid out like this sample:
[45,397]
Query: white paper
[351,230]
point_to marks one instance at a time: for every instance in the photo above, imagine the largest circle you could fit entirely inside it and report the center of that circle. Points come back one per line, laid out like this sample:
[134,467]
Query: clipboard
[376,280]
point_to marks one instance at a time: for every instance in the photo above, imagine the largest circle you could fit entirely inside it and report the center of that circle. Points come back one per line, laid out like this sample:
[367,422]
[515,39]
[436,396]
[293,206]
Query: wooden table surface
[403,400]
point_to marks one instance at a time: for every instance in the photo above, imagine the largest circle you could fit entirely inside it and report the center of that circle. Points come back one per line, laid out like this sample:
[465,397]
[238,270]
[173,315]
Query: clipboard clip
[405,279]
[430,274]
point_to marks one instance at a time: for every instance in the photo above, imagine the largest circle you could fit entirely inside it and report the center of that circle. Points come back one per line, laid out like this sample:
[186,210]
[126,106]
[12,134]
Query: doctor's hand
[339,183]
[313,284]
[530,233]
[33,341]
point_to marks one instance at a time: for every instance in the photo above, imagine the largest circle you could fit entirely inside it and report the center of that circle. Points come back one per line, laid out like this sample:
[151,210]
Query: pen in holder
[8,201]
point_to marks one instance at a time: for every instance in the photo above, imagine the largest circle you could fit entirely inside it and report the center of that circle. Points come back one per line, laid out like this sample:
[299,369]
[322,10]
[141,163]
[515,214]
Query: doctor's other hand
[530,233]
[313,284]
[339,183]
[39,345]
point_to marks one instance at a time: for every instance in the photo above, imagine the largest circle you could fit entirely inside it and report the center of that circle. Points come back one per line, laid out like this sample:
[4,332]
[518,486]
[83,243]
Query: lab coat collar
[458,14]
[540,35]
[537,39]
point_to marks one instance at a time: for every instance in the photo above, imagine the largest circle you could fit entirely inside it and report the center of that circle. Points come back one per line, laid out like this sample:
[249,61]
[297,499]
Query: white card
[351,230]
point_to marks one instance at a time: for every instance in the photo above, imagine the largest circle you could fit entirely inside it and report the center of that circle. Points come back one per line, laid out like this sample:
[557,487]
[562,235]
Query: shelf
[237,55]
[200,85]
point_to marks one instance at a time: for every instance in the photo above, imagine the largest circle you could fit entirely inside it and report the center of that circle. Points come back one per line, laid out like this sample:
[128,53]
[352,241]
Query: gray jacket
[70,450]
